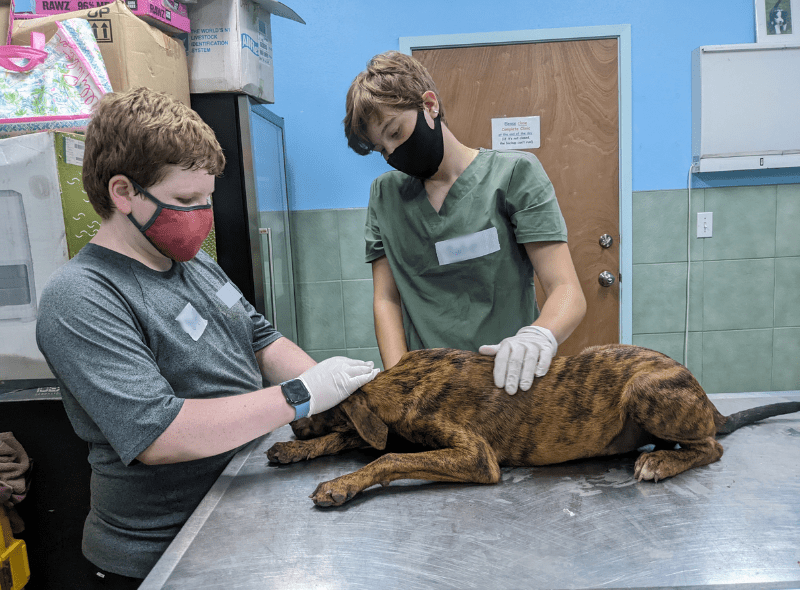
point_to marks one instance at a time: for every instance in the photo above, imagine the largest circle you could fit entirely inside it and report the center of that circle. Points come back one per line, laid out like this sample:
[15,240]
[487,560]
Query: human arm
[565,304]
[527,354]
[208,427]
[386,307]
[283,360]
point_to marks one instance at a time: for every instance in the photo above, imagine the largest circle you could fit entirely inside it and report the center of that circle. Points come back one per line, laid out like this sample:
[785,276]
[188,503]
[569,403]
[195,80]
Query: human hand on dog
[520,357]
[332,380]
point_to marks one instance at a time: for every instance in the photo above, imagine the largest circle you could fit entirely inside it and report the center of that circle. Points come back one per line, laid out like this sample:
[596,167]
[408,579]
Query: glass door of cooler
[269,172]
[17,293]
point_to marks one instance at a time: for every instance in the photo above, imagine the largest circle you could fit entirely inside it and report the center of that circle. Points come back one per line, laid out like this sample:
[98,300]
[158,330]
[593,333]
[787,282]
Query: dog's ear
[369,426]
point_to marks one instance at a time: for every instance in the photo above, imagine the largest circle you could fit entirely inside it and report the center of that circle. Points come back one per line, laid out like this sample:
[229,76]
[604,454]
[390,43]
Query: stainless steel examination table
[734,524]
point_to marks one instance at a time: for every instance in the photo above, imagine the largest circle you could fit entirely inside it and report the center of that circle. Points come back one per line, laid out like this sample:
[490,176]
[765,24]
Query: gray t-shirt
[128,344]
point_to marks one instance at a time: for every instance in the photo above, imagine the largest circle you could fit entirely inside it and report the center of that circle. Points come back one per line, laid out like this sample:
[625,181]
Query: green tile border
[315,246]
[785,355]
[352,246]
[359,322]
[787,292]
[659,297]
[320,315]
[744,224]
[787,236]
[660,226]
[660,240]
[737,361]
[738,294]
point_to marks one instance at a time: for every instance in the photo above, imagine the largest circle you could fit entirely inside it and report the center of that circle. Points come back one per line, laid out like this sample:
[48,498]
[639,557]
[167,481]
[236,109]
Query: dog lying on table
[606,400]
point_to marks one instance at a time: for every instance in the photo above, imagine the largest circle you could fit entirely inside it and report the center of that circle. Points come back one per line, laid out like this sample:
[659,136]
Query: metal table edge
[161,572]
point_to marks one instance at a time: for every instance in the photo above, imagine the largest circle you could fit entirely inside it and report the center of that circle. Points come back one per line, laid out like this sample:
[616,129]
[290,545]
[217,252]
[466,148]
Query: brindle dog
[604,401]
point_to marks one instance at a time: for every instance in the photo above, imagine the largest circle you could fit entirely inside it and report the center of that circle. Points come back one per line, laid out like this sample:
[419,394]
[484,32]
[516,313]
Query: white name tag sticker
[192,322]
[468,247]
[229,295]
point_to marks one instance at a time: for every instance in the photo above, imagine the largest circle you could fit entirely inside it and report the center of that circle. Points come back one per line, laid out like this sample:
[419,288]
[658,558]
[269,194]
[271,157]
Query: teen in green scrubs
[454,235]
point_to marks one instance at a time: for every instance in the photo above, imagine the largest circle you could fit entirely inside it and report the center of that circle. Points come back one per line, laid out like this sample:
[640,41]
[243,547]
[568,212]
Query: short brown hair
[139,133]
[392,80]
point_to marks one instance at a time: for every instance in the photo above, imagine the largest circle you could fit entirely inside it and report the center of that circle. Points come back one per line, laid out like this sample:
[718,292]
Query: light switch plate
[704,224]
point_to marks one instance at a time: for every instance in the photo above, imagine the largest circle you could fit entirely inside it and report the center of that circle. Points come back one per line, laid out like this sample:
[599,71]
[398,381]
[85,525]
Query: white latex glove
[332,380]
[518,358]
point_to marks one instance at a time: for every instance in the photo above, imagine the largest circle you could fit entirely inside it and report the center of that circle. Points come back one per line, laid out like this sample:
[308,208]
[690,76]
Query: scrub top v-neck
[463,274]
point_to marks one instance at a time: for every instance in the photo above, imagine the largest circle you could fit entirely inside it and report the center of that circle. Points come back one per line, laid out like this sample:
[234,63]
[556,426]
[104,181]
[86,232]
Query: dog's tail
[745,417]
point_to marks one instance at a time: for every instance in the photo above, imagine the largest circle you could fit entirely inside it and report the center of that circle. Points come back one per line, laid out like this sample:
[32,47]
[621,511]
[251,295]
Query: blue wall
[315,63]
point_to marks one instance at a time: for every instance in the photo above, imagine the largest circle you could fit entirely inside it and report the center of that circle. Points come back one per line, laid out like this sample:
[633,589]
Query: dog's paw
[653,466]
[285,452]
[333,493]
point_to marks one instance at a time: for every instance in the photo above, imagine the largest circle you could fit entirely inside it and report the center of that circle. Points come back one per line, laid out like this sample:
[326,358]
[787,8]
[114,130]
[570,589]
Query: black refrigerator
[251,204]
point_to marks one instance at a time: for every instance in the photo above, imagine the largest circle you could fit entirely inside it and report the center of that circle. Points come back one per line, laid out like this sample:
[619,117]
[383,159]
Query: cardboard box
[6,8]
[135,53]
[45,218]
[167,15]
[230,46]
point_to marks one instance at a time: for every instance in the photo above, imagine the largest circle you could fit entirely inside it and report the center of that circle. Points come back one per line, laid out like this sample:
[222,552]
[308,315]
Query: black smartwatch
[297,396]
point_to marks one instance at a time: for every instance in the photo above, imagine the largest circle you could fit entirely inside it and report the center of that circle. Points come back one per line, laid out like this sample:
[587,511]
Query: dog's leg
[471,460]
[660,464]
[302,450]
[679,412]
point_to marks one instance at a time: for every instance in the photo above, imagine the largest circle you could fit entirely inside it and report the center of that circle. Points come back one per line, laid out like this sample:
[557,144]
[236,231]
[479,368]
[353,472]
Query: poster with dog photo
[774,21]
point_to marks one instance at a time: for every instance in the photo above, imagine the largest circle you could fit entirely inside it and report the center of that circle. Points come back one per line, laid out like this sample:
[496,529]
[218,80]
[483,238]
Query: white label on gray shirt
[192,322]
[468,247]
[229,295]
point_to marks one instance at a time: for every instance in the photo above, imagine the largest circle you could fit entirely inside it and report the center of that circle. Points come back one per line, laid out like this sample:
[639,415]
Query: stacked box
[167,15]
[6,10]
[230,46]
[135,53]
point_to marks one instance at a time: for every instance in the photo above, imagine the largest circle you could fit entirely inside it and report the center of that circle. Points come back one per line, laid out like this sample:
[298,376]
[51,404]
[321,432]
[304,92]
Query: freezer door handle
[270,258]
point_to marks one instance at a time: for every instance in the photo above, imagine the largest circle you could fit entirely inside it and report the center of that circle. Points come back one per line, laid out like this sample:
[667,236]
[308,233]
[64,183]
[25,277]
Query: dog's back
[580,408]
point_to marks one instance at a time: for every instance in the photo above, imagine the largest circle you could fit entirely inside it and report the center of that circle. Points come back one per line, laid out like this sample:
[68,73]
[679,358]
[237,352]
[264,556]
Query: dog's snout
[302,428]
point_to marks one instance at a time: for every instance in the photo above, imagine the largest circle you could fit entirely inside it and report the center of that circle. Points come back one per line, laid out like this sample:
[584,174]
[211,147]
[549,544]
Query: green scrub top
[477,289]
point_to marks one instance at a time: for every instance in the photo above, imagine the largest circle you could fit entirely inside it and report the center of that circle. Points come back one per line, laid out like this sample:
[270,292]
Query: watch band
[301,411]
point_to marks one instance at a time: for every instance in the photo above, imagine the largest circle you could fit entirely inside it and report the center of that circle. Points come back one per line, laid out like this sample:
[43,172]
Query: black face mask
[421,154]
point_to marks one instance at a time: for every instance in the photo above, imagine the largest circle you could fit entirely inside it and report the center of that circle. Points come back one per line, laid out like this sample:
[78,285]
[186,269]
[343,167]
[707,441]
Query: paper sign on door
[515,133]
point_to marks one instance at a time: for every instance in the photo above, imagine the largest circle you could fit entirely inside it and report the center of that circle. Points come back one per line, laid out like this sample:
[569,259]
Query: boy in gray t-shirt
[160,359]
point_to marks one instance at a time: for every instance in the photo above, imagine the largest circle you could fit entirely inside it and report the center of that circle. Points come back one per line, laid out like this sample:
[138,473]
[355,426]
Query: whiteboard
[746,102]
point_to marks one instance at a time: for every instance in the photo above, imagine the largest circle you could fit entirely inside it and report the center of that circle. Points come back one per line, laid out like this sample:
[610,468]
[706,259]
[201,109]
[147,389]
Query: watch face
[295,392]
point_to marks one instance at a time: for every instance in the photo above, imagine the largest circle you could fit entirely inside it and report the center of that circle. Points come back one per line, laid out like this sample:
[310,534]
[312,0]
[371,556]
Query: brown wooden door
[573,87]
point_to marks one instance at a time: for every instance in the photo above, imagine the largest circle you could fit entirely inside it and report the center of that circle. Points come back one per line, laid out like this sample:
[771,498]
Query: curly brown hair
[392,80]
[139,133]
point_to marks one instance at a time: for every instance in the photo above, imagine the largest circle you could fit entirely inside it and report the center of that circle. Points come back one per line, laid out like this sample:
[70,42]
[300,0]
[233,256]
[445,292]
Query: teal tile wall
[744,300]
[333,285]
[744,296]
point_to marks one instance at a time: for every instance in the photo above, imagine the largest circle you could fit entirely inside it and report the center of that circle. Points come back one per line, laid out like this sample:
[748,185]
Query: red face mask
[176,232]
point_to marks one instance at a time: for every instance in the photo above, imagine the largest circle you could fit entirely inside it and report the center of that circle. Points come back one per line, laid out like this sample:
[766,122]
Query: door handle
[606,279]
[268,232]
[606,241]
